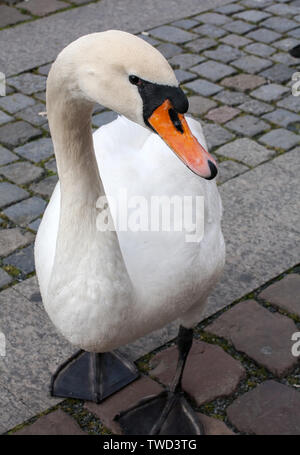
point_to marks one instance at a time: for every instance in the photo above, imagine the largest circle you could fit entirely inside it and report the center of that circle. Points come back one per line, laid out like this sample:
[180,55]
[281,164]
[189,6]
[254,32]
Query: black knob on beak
[213,170]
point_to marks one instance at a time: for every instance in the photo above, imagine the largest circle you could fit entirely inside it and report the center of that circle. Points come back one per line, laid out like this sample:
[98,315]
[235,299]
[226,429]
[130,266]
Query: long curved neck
[86,259]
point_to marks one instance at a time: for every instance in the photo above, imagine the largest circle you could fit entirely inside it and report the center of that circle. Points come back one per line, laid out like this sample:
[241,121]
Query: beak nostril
[213,170]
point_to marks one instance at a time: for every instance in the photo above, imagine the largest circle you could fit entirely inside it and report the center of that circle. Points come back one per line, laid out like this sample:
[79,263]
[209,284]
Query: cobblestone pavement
[232,62]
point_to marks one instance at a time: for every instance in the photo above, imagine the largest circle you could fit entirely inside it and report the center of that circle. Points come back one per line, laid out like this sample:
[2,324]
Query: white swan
[106,289]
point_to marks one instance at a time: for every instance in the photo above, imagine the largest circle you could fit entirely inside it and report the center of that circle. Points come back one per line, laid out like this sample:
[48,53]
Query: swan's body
[103,289]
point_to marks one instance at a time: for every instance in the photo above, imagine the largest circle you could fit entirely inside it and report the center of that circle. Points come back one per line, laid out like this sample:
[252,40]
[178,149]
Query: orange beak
[174,130]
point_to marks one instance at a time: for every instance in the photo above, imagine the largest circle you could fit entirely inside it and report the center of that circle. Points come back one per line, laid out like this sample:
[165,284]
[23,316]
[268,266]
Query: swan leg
[92,376]
[169,412]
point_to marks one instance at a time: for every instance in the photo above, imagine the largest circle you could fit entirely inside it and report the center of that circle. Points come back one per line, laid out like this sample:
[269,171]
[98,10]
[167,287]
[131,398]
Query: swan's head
[129,76]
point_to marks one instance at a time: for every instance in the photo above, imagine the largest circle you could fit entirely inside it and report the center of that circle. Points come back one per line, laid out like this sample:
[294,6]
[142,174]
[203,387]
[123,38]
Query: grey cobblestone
[247,151]
[239,27]
[264,35]
[10,193]
[256,107]
[185,61]
[269,92]
[282,117]
[284,58]
[45,187]
[251,64]
[173,34]
[210,30]
[26,211]
[15,102]
[283,10]
[252,15]
[14,134]
[224,53]
[11,239]
[203,87]
[291,103]
[36,150]
[51,165]
[22,259]
[247,125]
[5,278]
[278,73]
[229,169]
[28,83]
[185,23]
[103,118]
[295,32]
[260,49]
[231,98]
[286,44]
[21,172]
[4,118]
[6,156]
[229,9]
[200,105]
[236,40]
[184,76]
[169,49]
[280,138]
[216,135]
[279,24]
[213,18]
[213,71]
[32,114]
[201,44]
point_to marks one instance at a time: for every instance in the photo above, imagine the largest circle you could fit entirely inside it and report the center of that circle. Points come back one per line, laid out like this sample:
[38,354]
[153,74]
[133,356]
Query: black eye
[134,80]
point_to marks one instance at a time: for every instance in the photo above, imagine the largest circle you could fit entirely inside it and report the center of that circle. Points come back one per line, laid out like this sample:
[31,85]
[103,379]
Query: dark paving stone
[200,105]
[260,49]
[251,64]
[246,151]
[285,293]
[201,44]
[252,15]
[284,58]
[32,114]
[11,239]
[270,409]
[169,49]
[209,30]
[224,53]
[270,92]
[14,134]
[216,135]
[10,193]
[235,40]
[103,118]
[15,102]
[21,172]
[9,16]
[4,118]
[286,44]
[184,76]
[213,71]
[213,18]
[36,150]
[262,335]
[247,125]
[5,278]
[203,87]
[231,98]
[209,373]
[279,24]
[123,400]
[46,186]
[26,211]
[6,156]
[264,35]
[173,34]
[243,82]
[278,73]
[185,61]
[54,423]
[213,426]
[229,169]
[28,83]
[282,117]
[239,27]
[22,259]
[41,8]
[290,102]
[280,138]
[256,107]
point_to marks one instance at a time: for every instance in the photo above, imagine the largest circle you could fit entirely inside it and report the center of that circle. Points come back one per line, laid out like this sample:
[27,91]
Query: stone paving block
[41,96]
[213,426]
[36,150]
[280,138]
[282,117]
[14,134]
[229,9]
[34,225]
[149,39]
[184,76]
[278,73]
[243,82]
[199,104]
[283,10]
[6,156]
[255,107]
[235,40]
[213,18]
[28,83]
[263,336]
[247,125]
[30,289]
[224,53]
[9,16]
[286,44]
[5,279]
[270,92]
[4,118]
[24,212]
[21,172]
[123,400]
[185,61]
[251,64]
[103,118]
[44,69]
[216,135]
[203,87]
[295,32]
[185,23]
[54,423]
[11,239]
[15,102]
[173,34]
[12,411]
[284,293]
[201,44]
[210,372]
[10,193]
[32,114]
[209,30]
[41,8]
[51,165]
[290,102]
[239,27]
[246,151]
[222,114]
[264,35]
[46,186]
[260,49]
[22,259]
[213,70]
[231,98]
[279,24]
[252,15]
[169,49]
[229,169]
[269,409]
[284,58]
